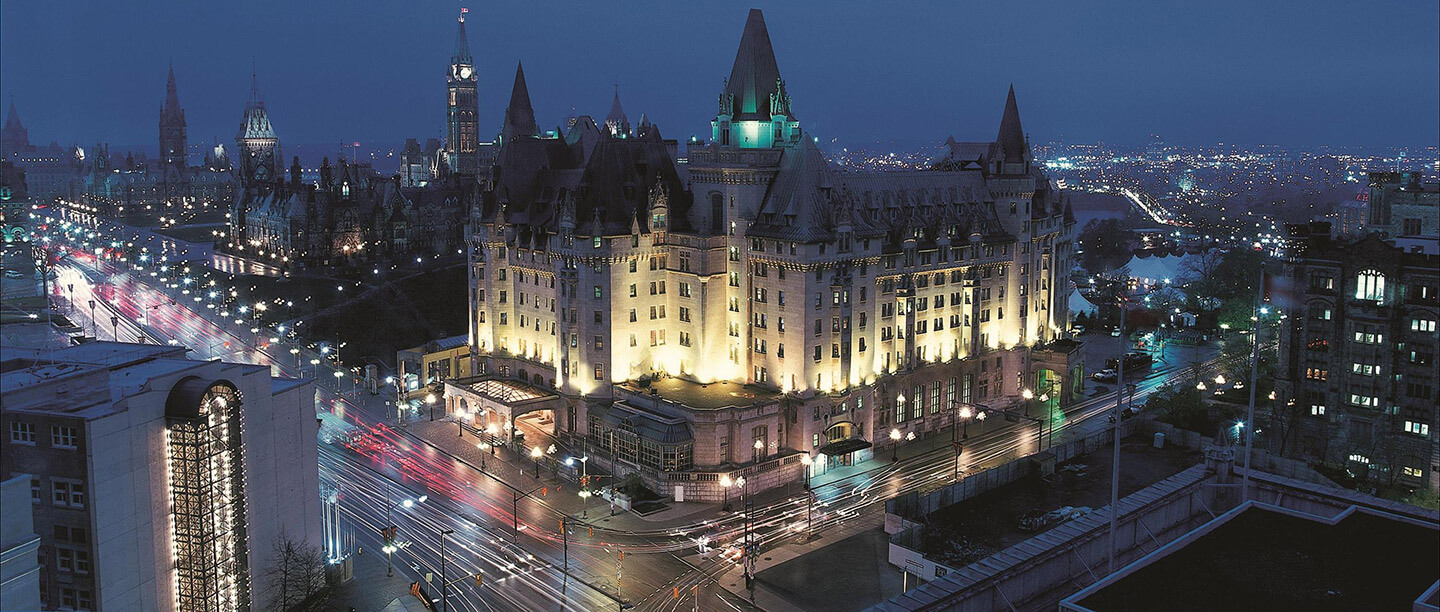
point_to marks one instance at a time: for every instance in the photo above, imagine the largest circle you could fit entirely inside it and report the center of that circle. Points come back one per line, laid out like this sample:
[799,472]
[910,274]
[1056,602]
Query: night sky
[1307,73]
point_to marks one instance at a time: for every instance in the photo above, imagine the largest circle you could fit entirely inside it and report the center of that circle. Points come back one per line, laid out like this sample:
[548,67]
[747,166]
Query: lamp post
[748,553]
[444,602]
[115,327]
[1050,417]
[894,445]
[490,431]
[535,454]
[1028,395]
[962,418]
[430,401]
[483,446]
[759,450]
[93,331]
[725,484]
[460,416]
[806,461]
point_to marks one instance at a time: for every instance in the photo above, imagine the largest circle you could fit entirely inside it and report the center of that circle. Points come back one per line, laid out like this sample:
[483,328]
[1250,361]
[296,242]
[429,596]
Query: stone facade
[794,303]
[1357,371]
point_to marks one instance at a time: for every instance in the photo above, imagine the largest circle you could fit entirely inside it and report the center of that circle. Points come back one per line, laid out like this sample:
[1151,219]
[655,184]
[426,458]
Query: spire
[519,116]
[462,43]
[755,78]
[172,96]
[12,118]
[1011,137]
[616,120]
[255,99]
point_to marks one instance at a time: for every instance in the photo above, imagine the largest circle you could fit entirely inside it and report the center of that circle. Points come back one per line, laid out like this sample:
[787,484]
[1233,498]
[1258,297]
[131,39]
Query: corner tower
[462,111]
[172,127]
[754,109]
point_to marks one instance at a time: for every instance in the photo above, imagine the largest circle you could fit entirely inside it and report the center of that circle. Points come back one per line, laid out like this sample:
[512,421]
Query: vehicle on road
[1106,375]
[1133,361]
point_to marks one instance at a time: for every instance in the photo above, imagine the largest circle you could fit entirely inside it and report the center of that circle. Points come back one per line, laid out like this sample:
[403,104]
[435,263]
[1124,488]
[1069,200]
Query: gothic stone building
[737,313]
[1358,370]
[352,216]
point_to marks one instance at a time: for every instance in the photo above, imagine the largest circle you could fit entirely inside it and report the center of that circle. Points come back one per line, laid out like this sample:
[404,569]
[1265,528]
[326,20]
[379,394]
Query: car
[1115,333]
[1133,361]
[1106,375]
[14,274]
[1077,329]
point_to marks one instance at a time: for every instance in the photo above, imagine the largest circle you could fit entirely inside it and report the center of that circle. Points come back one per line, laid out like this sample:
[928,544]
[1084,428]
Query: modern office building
[157,482]
[1356,382]
[752,304]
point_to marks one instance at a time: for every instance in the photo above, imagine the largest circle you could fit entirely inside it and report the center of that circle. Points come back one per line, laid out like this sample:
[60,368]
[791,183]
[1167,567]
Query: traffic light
[675,592]
[544,491]
[562,525]
[479,577]
[622,555]
[592,532]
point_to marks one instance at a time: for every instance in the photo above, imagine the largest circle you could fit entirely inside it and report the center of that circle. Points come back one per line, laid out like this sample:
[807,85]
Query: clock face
[464,72]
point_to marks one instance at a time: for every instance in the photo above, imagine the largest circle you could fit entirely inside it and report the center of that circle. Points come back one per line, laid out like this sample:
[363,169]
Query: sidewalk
[371,590]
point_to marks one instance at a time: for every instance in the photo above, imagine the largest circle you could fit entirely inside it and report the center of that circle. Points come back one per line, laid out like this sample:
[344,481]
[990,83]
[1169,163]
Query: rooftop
[705,396]
[1262,557]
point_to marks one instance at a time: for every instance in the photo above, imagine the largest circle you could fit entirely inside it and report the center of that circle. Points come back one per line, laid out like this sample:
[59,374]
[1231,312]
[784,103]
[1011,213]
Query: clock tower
[462,113]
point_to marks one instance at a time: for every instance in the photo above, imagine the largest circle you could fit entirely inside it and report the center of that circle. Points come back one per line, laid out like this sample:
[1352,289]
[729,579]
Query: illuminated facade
[756,303]
[158,483]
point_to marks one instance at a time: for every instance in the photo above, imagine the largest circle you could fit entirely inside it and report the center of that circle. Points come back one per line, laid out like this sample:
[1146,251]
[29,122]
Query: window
[1414,427]
[1364,400]
[1411,227]
[63,436]
[34,490]
[685,287]
[598,292]
[599,342]
[599,372]
[22,433]
[1370,286]
[1412,472]
[67,493]
[1422,325]
[1317,410]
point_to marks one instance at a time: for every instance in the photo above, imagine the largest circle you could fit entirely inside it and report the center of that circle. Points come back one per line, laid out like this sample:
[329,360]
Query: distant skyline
[1324,73]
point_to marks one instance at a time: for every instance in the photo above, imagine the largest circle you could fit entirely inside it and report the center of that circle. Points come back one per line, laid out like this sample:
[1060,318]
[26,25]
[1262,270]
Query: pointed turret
[257,144]
[519,115]
[615,120]
[1011,137]
[755,79]
[256,121]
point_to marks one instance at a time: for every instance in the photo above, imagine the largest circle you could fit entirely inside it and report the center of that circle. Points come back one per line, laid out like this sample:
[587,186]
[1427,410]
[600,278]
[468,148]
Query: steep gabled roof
[1012,137]
[755,76]
[519,115]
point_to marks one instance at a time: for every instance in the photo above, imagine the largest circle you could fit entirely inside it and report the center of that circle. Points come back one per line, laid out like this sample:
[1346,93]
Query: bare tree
[296,577]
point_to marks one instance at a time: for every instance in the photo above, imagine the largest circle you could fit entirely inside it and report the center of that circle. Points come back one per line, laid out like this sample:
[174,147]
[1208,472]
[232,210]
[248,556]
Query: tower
[616,122]
[462,113]
[257,144]
[754,109]
[172,127]
[13,137]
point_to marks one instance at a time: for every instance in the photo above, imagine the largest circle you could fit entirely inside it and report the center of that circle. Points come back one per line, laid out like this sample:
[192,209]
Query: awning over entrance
[843,447]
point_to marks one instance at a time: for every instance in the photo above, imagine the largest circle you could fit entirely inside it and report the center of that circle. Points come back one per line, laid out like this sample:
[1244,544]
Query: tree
[296,577]
[1105,244]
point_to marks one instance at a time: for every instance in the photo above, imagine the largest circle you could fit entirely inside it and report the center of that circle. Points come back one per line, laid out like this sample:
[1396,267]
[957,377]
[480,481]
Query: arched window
[1370,285]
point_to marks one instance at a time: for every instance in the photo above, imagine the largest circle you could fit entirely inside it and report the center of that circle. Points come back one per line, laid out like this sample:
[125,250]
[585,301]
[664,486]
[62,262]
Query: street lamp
[460,416]
[806,461]
[115,327]
[725,484]
[1028,395]
[93,331]
[894,445]
[760,450]
[430,401]
[536,453]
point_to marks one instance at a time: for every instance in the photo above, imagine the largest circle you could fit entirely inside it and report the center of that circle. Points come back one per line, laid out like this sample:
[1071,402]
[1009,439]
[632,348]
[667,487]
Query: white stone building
[731,312]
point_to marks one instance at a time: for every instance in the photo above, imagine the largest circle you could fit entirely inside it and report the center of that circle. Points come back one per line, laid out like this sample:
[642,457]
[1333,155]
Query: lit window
[1370,285]
[1417,428]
